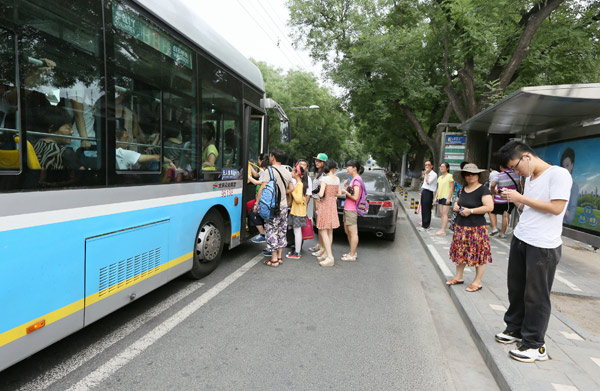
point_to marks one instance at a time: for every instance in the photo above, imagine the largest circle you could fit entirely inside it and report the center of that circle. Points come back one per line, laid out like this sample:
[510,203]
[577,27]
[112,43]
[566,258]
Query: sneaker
[258,239]
[421,229]
[315,248]
[508,337]
[494,232]
[527,354]
[502,236]
[318,253]
[267,254]
[293,255]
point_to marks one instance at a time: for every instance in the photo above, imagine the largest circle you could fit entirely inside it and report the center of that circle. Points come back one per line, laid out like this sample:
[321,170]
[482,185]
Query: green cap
[322,157]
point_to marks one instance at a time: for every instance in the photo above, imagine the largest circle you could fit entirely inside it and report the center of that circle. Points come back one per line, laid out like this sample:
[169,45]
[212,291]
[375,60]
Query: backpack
[362,206]
[270,198]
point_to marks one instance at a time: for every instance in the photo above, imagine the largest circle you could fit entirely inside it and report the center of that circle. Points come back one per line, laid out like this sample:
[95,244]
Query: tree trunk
[434,146]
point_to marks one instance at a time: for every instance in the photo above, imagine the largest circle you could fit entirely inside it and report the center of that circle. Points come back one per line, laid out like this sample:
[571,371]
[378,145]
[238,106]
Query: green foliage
[327,129]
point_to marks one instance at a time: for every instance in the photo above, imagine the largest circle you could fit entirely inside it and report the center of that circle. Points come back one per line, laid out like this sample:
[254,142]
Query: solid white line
[568,283]
[497,307]
[55,374]
[123,358]
[439,261]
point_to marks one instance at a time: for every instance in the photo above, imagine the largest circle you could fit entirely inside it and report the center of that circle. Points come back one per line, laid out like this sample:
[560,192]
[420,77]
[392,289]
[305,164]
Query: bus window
[61,66]
[254,145]
[9,154]
[155,105]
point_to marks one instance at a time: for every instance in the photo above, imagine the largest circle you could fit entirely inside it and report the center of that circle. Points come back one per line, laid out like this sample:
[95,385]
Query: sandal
[271,263]
[349,258]
[473,288]
[454,281]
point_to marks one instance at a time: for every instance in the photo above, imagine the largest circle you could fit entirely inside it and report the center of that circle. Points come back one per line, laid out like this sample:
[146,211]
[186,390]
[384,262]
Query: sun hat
[472,168]
[323,157]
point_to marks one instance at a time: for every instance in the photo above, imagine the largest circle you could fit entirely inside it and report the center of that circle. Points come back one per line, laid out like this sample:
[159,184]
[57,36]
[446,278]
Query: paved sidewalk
[574,350]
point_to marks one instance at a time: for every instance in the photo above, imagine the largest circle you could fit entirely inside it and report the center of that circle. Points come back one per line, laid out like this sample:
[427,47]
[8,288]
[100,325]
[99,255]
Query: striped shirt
[49,155]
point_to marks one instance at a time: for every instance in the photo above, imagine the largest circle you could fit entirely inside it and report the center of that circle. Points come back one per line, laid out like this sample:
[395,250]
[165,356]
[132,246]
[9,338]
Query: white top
[126,159]
[432,182]
[330,180]
[541,229]
[493,178]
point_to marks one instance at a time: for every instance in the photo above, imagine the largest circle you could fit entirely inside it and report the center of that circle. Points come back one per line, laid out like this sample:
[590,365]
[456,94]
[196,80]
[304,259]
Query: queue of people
[540,193]
[296,192]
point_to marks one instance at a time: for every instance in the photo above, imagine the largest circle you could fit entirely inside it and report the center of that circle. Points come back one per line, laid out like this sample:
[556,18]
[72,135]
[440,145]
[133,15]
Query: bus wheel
[208,246]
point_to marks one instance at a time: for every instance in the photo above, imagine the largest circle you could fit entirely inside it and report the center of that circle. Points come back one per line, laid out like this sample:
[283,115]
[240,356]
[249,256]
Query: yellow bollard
[412,203]
[405,196]
[416,207]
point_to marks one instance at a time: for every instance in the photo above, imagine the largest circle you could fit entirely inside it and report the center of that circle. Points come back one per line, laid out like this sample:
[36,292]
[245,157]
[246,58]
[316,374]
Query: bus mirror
[285,131]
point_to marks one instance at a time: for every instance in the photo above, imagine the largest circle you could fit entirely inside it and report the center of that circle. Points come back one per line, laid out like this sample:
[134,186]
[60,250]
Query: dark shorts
[500,209]
[442,201]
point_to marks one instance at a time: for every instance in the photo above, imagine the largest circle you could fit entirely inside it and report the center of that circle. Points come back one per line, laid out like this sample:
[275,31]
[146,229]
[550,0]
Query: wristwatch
[472,212]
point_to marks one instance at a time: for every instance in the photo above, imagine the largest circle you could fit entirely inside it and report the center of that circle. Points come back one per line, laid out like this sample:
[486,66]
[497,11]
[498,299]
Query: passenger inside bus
[173,143]
[132,160]
[210,152]
[128,119]
[229,150]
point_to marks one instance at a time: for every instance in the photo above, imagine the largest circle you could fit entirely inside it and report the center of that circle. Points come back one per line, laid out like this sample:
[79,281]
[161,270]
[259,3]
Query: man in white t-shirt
[126,159]
[535,249]
[427,191]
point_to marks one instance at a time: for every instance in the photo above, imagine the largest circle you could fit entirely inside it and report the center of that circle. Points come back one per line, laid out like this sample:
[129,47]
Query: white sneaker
[494,232]
[525,354]
[508,337]
[315,248]
[502,236]
[421,229]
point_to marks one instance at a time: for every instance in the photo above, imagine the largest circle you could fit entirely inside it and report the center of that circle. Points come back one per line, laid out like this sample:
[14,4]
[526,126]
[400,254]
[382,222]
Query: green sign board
[129,22]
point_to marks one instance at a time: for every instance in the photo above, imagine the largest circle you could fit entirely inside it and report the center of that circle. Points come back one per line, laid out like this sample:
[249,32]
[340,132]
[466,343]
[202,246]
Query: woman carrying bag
[470,242]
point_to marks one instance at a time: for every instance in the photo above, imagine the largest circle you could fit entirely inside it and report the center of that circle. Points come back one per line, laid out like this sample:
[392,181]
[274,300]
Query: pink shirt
[350,204]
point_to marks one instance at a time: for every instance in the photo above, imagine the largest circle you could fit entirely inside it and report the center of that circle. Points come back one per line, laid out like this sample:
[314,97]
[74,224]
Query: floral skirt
[471,246]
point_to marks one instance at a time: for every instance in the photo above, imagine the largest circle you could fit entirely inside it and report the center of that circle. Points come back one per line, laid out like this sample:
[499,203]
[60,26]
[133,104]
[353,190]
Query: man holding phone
[535,249]
[427,191]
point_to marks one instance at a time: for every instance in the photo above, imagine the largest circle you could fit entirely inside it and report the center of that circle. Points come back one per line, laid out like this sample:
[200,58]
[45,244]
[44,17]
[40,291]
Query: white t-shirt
[432,182]
[541,229]
[493,178]
[126,159]
[308,189]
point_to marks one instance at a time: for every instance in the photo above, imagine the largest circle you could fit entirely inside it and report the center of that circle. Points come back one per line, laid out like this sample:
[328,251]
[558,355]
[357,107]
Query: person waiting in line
[458,186]
[210,152]
[130,160]
[443,195]
[320,159]
[328,217]
[506,179]
[173,147]
[254,218]
[427,192]
[297,218]
[494,171]
[353,192]
[470,242]
[276,228]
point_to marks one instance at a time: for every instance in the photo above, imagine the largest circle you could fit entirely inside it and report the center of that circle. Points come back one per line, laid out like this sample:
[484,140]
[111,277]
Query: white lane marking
[468,270]
[564,387]
[55,374]
[123,358]
[572,336]
[446,248]
[501,252]
[498,241]
[596,360]
[439,261]
[568,283]
[497,307]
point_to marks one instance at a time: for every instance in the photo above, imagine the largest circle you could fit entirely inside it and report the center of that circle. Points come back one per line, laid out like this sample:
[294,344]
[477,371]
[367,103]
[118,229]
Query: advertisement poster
[582,159]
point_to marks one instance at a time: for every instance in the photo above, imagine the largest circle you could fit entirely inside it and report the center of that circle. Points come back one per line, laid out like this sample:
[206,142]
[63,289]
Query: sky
[258,29]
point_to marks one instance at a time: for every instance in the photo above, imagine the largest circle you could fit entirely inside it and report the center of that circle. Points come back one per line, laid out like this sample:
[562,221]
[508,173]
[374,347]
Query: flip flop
[473,288]
[454,281]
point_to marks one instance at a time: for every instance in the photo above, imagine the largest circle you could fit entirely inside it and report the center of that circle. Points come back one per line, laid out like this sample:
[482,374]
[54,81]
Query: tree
[327,129]
[437,61]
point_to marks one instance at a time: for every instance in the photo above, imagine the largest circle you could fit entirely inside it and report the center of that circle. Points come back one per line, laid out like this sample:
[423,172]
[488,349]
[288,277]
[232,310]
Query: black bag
[454,214]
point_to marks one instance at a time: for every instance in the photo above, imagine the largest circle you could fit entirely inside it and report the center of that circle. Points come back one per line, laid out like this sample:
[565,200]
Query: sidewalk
[573,336]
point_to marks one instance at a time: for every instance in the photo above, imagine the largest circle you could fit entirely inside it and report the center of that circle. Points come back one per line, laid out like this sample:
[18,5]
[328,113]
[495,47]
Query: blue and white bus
[126,128]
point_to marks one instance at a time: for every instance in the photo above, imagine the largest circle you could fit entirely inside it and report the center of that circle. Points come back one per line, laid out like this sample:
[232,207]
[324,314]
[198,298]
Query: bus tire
[208,245]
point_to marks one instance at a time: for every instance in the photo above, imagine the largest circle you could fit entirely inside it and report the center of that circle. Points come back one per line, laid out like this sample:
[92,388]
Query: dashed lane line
[123,358]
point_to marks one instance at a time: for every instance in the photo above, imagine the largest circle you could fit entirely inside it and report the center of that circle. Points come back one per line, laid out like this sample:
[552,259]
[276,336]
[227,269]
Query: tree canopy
[326,129]
[408,66]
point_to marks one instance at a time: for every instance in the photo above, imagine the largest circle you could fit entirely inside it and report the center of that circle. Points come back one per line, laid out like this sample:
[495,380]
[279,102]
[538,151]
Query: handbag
[307,230]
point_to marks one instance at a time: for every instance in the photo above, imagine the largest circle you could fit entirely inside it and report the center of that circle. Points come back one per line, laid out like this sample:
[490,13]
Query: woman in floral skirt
[471,243]
[328,217]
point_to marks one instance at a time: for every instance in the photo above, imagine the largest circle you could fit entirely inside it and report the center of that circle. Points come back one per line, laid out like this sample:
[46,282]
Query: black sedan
[383,207]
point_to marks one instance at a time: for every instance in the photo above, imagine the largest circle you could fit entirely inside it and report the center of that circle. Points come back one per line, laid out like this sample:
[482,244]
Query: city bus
[126,128]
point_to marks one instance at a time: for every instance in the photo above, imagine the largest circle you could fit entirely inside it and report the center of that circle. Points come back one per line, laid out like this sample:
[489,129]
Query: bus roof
[183,19]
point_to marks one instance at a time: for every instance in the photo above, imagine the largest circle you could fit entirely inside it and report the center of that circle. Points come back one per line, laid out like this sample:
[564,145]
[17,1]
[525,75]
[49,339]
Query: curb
[507,377]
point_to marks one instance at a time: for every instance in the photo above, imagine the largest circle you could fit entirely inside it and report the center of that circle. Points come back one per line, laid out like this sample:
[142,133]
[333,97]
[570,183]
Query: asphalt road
[382,323]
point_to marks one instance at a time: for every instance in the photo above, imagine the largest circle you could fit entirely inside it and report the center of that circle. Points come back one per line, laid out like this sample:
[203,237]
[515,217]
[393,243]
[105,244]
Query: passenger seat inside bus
[9,159]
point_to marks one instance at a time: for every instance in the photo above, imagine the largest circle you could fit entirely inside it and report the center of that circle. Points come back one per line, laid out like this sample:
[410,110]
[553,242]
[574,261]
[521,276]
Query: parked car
[383,207]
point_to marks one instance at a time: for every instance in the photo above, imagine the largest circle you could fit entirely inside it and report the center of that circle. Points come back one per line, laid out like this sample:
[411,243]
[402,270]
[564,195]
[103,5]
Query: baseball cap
[322,157]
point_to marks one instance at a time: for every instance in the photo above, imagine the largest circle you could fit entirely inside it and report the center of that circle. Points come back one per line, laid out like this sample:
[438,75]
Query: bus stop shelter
[552,119]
